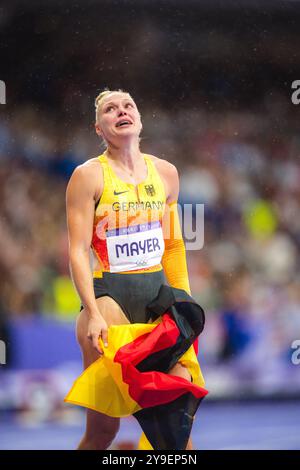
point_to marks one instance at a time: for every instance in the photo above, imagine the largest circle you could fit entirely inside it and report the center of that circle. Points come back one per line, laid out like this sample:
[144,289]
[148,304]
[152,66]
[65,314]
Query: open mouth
[123,123]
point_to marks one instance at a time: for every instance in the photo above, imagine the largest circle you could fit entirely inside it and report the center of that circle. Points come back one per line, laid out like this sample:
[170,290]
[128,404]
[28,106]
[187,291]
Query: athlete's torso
[127,233]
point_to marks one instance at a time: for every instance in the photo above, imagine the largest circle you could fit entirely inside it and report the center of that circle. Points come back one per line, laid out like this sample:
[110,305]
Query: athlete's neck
[128,157]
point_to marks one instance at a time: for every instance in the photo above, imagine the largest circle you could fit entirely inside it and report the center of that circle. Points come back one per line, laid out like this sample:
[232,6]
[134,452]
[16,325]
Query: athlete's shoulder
[164,165]
[169,174]
[89,165]
[87,176]
[87,169]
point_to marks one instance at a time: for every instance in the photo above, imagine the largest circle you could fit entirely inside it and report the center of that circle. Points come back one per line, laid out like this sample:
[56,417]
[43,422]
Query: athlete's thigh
[112,314]
[180,371]
[111,311]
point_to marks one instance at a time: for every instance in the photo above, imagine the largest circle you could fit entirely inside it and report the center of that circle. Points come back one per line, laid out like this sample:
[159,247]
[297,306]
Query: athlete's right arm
[81,196]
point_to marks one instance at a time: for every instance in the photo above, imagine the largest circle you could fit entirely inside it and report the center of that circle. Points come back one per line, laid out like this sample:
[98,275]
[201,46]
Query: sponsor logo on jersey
[116,193]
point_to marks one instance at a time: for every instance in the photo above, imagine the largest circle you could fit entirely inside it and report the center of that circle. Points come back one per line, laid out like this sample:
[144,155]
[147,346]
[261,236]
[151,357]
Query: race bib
[134,247]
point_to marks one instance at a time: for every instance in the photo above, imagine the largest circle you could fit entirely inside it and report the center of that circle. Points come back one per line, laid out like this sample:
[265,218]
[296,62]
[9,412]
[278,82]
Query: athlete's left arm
[174,258]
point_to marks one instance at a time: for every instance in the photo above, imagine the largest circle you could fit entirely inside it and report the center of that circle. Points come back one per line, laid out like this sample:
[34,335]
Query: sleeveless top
[127,230]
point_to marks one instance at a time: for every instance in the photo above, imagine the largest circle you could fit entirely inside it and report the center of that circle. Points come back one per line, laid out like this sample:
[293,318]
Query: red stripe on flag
[163,336]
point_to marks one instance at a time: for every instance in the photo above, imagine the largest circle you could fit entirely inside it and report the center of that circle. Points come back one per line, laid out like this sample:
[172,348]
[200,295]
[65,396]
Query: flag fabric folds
[131,378]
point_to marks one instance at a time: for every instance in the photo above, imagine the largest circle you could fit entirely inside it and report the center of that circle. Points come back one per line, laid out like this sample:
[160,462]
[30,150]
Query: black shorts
[133,292]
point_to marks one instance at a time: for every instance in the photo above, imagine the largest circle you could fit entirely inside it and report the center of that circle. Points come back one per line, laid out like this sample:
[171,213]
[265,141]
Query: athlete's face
[118,118]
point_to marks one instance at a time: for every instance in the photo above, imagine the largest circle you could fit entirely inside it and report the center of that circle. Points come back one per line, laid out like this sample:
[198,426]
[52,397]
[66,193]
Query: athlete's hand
[97,327]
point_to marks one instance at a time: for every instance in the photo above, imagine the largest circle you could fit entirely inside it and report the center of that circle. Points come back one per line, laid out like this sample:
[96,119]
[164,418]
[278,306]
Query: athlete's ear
[98,130]
[141,123]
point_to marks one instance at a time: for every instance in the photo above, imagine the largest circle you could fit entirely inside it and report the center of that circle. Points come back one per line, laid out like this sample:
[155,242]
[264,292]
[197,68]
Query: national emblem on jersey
[149,188]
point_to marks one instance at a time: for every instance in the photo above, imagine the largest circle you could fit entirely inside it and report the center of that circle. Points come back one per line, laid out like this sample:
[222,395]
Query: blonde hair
[102,95]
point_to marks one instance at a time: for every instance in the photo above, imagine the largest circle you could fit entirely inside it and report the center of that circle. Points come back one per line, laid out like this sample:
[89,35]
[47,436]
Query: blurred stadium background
[213,83]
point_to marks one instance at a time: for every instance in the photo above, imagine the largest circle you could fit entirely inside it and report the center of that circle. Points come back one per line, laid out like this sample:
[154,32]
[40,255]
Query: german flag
[131,378]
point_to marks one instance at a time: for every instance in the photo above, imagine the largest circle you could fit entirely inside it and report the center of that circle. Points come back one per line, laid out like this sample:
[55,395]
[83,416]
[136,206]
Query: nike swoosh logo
[120,192]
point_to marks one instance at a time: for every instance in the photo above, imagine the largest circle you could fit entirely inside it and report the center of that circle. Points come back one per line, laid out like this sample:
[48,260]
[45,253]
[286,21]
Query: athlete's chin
[127,134]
